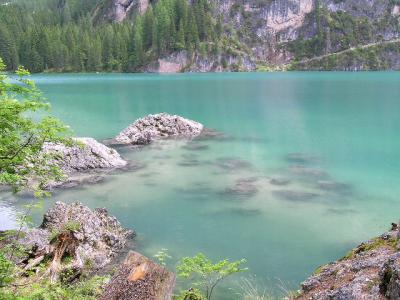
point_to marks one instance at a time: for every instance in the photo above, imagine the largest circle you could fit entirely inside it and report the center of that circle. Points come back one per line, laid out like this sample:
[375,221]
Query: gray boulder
[153,127]
[87,154]
[91,238]
[79,162]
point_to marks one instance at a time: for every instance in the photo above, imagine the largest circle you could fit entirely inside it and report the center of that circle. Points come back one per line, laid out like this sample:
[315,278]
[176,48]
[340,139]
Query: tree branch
[26,144]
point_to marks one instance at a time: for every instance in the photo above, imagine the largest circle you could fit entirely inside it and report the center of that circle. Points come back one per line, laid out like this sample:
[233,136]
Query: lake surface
[309,165]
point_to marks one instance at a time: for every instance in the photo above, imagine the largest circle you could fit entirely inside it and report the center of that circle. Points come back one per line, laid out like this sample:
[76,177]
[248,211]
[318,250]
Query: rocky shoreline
[369,271]
[91,240]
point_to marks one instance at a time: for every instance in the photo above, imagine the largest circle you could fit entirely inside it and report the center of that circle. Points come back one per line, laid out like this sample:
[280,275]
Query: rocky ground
[370,271]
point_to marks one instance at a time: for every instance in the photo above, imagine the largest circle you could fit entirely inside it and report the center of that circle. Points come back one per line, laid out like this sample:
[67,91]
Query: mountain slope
[200,35]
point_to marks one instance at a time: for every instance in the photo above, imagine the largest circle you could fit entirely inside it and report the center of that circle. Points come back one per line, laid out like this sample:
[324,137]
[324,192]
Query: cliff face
[118,10]
[219,35]
[301,34]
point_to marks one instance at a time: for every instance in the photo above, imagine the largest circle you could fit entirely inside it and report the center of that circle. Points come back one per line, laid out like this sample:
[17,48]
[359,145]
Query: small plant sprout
[205,274]
[162,256]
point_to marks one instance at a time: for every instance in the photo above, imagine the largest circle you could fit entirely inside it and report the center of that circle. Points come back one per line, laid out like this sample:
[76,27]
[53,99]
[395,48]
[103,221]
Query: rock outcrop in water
[141,279]
[370,271]
[153,127]
[77,160]
[87,154]
[89,238]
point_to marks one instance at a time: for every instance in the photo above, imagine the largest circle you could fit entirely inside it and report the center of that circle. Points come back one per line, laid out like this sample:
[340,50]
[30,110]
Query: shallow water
[308,168]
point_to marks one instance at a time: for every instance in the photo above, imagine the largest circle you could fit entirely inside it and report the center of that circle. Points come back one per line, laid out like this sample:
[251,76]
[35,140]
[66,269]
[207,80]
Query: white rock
[152,127]
[86,155]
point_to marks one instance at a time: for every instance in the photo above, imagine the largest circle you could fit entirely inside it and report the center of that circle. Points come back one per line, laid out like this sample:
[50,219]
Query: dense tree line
[61,35]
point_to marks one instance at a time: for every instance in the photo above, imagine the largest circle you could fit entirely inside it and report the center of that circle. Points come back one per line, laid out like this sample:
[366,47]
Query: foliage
[63,36]
[44,290]
[205,274]
[23,132]
[72,226]
[6,268]
[192,294]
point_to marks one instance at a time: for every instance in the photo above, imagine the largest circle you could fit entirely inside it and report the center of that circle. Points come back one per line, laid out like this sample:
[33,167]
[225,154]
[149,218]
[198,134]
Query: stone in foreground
[370,271]
[91,238]
[140,279]
[153,127]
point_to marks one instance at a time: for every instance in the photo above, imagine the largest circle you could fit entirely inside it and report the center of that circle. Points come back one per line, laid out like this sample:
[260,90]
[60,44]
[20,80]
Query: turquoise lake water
[319,155]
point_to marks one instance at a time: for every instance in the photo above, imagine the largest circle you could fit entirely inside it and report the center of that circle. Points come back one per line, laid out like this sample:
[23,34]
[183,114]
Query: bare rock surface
[153,127]
[370,271]
[86,155]
[79,160]
[139,278]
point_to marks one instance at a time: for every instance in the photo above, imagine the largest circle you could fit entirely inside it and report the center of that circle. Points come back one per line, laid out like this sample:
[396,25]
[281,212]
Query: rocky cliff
[286,34]
[169,36]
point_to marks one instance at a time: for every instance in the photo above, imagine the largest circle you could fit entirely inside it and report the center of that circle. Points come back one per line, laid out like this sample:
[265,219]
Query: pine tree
[8,49]
[137,57]
[148,25]
[180,40]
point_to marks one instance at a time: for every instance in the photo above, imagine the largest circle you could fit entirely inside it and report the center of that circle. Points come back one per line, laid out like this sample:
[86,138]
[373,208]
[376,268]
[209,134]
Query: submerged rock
[139,278]
[231,164]
[196,146]
[244,187]
[310,172]
[279,181]
[333,186]
[341,211]
[191,160]
[211,134]
[153,127]
[245,212]
[370,271]
[302,158]
[295,196]
[90,238]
